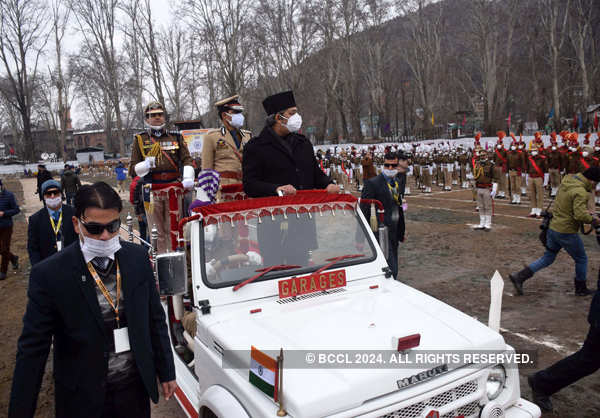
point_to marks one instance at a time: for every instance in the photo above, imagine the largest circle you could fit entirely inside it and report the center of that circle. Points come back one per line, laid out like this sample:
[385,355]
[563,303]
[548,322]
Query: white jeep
[331,308]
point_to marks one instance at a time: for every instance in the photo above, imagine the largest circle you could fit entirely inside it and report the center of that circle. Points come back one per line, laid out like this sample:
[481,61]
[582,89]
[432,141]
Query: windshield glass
[234,250]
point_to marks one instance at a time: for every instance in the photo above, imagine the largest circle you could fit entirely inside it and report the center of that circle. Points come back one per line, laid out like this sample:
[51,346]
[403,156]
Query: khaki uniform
[500,170]
[221,153]
[484,174]
[554,166]
[169,163]
[516,160]
[535,188]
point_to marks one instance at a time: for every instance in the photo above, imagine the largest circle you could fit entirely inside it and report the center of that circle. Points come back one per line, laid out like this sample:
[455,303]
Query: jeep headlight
[495,382]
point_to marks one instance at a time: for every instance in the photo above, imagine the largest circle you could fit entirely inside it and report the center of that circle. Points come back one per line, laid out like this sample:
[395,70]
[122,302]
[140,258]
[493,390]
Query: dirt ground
[442,256]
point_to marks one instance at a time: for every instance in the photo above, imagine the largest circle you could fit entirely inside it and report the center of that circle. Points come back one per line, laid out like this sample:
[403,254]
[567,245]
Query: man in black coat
[388,188]
[50,229]
[42,176]
[97,301]
[280,159]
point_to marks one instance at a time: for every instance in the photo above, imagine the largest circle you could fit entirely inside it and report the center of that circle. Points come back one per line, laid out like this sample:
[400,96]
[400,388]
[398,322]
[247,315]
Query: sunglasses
[386,165]
[51,193]
[96,228]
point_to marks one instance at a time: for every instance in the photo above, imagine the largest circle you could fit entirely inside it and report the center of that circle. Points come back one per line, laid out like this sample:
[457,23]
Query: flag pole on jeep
[281,412]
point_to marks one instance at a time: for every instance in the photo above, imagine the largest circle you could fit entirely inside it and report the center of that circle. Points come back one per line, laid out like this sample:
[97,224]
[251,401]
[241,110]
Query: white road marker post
[496,289]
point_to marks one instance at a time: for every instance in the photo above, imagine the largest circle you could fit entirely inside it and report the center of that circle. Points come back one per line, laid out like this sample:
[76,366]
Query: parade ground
[442,256]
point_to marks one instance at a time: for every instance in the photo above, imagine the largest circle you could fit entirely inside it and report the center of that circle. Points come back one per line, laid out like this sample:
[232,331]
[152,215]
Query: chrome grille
[438,401]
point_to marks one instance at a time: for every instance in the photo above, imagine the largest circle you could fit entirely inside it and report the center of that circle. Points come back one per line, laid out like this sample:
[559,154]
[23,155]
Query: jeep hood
[358,318]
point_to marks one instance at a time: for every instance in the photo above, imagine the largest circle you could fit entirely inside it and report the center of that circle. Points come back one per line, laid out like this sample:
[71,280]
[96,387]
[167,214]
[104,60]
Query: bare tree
[97,24]
[173,47]
[60,19]
[554,17]
[222,25]
[23,36]
[423,50]
[581,37]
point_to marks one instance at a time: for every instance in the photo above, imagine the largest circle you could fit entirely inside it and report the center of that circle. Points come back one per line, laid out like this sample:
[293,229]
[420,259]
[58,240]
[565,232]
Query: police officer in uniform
[160,158]
[222,148]
[483,173]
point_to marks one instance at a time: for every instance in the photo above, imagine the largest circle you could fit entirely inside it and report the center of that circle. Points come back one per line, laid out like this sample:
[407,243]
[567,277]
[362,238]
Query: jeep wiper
[335,260]
[264,271]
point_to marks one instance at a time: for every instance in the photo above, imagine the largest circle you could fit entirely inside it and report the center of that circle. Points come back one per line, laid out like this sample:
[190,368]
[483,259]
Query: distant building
[44,141]
[98,138]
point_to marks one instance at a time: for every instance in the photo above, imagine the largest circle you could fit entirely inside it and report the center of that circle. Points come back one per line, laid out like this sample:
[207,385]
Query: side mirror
[171,269]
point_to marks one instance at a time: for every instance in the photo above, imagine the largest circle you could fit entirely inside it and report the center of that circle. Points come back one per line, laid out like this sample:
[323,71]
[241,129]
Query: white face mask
[553,148]
[597,148]
[513,148]
[534,153]
[390,173]
[520,146]
[53,202]
[571,149]
[585,153]
[100,248]
[237,120]
[294,123]
[499,146]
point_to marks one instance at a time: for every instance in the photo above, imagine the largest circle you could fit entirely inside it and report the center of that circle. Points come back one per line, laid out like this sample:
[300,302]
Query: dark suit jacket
[376,188]
[63,304]
[268,164]
[41,241]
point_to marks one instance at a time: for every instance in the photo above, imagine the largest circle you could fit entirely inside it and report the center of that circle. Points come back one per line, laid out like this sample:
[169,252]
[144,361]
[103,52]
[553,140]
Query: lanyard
[394,191]
[56,228]
[104,290]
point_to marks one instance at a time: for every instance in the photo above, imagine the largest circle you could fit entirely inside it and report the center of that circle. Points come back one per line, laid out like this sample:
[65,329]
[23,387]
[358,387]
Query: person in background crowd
[69,183]
[569,214]
[96,302]
[135,197]
[121,172]
[388,188]
[8,209]
[42,176]
[50,229]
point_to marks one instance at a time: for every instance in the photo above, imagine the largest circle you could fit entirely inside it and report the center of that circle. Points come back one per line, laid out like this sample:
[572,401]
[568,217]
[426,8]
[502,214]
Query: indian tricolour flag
[264,372]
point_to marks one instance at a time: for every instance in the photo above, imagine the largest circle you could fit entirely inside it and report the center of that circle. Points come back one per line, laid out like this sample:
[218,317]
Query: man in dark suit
[42,176]
[50,228]
[97,298]
[388,188]
[280,159]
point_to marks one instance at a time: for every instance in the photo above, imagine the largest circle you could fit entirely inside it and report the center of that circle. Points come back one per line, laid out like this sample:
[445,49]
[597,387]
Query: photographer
[569,215]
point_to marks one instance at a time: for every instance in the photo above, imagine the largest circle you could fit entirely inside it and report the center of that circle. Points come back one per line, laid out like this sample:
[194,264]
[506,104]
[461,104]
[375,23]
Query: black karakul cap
[593,174]
[278,102]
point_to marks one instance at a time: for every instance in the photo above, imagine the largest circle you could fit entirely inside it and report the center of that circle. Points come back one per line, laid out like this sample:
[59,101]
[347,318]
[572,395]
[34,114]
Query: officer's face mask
[520,146]
[294,122]
[499,146]
[597,148]
[513,148]
[585,153]
[534,153]
[553,148]
[237,120]
[390,172]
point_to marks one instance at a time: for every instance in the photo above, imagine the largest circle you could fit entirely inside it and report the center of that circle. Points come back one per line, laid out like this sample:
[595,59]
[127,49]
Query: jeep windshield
[237,246]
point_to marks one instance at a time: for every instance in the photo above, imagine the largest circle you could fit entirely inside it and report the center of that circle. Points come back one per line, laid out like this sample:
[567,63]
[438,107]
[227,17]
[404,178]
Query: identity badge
[121,340]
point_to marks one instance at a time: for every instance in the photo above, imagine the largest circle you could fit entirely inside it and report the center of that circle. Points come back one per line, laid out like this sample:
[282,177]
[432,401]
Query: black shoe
[15,262]
[541,400]
[519,278]
[582,290]
[2,276]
